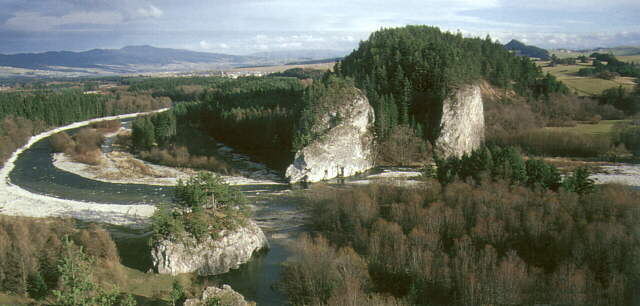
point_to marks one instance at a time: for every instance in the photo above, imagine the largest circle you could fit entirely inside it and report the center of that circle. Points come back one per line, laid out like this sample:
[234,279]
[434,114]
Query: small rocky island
[209,232]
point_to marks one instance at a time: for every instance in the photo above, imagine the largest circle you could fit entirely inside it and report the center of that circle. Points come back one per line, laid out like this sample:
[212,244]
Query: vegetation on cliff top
[407,72]
[205,206]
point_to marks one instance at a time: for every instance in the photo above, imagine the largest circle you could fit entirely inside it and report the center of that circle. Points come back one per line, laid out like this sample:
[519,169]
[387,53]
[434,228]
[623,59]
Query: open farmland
[603,128]
[585,86]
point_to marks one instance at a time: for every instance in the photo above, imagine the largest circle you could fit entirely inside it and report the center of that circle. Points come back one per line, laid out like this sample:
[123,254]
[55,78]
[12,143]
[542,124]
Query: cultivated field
[281,68]
[621,56]
[603,128]
[584,86]
[630,58]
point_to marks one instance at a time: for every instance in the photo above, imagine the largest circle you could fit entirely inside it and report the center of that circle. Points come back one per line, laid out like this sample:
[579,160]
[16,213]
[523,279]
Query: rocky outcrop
[344,148]
[462,123]
[216,296]
[209,257]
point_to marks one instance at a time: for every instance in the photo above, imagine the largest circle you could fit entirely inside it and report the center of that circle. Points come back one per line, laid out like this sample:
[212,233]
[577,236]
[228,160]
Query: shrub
[579,182]
[31,250]
[61,143]
[208,190]
[317,272]
[558,143]
[107,126]
[165,225]
[180,157]
[470,245]
[403,147]
[542,175]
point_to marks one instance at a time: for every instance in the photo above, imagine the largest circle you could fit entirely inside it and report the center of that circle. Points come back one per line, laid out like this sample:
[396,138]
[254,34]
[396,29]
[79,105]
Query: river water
[276,210]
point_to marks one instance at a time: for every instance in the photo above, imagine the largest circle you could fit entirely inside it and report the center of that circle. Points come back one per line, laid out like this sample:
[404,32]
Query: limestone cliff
[217,296]
[209,257]
[344,148]
[462,123]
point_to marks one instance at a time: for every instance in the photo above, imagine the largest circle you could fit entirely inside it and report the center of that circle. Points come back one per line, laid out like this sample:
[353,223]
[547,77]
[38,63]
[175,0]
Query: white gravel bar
[15,201]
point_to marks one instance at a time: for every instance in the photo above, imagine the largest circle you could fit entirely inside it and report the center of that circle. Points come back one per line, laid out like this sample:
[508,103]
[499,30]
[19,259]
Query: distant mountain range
[617,51]
[138,59]
[526,50]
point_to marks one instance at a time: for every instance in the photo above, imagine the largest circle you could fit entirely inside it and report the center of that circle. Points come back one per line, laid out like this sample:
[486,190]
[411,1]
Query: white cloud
[570,40]
[205,45]
[30,21]
[582,5]
[150,11]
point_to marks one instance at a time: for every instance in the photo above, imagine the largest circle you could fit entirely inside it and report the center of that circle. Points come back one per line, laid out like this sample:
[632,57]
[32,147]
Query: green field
[603,128]
[625,58]
[585,86]
[630,58]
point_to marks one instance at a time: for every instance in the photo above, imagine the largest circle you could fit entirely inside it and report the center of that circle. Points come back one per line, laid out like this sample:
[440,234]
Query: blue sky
[246,26]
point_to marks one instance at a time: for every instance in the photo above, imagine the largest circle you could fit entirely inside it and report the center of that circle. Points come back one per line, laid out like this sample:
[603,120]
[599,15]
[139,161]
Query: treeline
[625,100]
[155,138]
[253,115]
[301,73]
[407,73]
[52,259]
[24,114]
[179,89]
[508,165]
[468,244]
[157,129]
[611,69]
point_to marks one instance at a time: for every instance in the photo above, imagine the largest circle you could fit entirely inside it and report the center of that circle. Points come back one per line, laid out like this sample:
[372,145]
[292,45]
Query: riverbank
[120,166]
[624,174]
[15,201]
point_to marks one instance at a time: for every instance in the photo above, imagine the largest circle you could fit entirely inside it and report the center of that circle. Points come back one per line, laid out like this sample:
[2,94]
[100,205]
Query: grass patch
[560,143]
[629,58]
[603,128]
[586,86]
[10,299]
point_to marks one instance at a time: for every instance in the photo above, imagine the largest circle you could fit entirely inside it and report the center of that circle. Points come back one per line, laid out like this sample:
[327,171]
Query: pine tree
[75,276]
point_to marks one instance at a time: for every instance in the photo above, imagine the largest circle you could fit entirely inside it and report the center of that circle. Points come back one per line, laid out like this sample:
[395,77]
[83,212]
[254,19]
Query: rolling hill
[139,59]
[525,50]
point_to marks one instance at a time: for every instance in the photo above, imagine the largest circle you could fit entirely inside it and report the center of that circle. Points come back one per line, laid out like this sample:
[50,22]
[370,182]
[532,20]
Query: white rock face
[209,257]
[462,124]
[343,150]
[225,296]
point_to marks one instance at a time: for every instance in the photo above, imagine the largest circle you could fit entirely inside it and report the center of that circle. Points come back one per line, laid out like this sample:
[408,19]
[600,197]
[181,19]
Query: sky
[248,26]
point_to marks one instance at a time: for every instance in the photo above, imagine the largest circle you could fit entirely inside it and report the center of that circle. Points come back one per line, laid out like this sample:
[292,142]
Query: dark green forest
[26,113]
[407,73]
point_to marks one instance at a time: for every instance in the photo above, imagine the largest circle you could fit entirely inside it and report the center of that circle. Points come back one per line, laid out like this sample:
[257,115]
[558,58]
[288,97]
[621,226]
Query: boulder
[209,257]
[344,147]
[462,123]
[223,296]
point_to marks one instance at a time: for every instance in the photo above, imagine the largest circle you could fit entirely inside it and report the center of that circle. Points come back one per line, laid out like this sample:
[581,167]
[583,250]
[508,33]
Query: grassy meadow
[603,128]
[584,86]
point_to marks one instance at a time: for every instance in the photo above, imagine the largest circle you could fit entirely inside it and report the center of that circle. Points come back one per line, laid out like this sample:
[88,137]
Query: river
[275,209]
